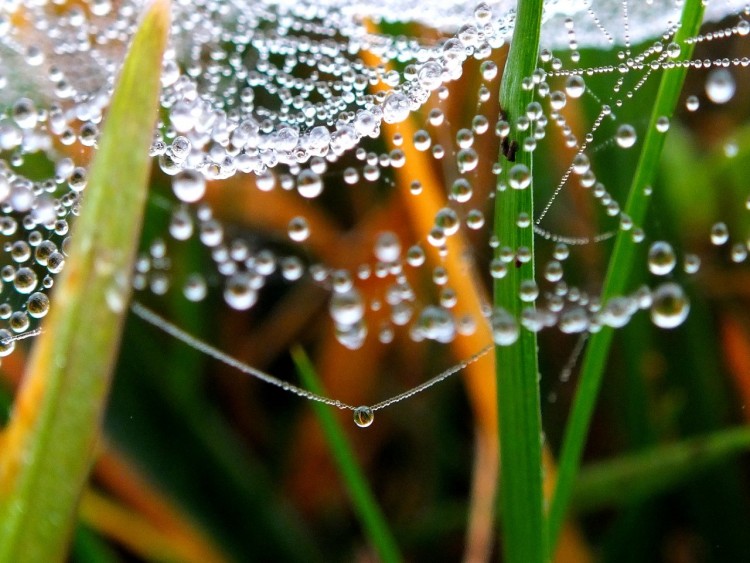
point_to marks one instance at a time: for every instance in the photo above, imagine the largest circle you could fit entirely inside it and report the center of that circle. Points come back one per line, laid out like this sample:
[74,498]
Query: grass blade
[49,443]
[521,498]
[637,476]
[618,271]
[364,502]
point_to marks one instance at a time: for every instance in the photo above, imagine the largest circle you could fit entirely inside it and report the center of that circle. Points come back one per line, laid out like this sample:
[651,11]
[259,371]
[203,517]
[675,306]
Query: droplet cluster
[303,101]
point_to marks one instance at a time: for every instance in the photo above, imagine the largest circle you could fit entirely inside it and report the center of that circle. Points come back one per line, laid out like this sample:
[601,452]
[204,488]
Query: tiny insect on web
[363,414]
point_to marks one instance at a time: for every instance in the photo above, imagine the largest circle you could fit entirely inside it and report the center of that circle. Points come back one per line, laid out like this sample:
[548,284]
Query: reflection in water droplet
[720,86]
[661,258]
[363,416]
[670,306]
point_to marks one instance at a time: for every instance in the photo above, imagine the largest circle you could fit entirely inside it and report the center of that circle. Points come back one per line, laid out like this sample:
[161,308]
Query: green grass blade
[48,446]
[640,475]
[372,519]
[618,272]
[521,500]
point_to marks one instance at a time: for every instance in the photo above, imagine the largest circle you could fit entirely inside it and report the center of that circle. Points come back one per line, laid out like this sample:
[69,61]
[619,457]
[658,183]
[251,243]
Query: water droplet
[719,234]
[396,108]
[661,258]
[346,307]
[575,86]
[309,184]
[37,305]
[626,136]
[298,229]
[505,329]
[670,306]
[467,160]
[387,247]
[519,177]
[189,185]
[25,280]
[692,103]
[720,86]
[363,416]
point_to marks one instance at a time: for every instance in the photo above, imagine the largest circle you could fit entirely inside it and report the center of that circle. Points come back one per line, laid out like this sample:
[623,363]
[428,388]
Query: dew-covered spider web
[335,108]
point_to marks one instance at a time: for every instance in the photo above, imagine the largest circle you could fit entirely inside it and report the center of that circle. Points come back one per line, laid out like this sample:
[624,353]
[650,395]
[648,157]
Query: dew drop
[661,258]
[575,86]
[298,229]
[309,184]
[720,86]
[25,280]
[626,136]
[662,124]
[670,306]
[37,305]
[363,416]
[505,329]
[719,234]
[519,177]
[189,185]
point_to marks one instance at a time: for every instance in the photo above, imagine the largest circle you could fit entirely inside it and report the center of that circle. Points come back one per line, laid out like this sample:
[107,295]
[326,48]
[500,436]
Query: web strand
[161,323]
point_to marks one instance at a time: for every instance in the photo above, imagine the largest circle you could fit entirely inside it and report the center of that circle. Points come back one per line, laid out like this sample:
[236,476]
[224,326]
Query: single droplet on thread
[189,185]
[309,184]
[363,416]
[720,86]
[719,234]
[626,136]
[575,86]
[670,306]
[298,229]
[661,258]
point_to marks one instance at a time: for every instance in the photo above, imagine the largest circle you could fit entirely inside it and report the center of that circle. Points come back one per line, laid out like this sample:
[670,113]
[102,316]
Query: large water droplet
[670,306]
[189,185]
[363,416]
[720,86]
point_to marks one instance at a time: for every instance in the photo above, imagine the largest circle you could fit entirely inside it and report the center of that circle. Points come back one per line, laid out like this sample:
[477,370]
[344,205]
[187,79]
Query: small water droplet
[661,258]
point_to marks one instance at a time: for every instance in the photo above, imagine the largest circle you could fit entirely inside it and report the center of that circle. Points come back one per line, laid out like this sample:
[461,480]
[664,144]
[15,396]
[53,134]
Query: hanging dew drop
[467,160]
[670,306]
[575,86]
[309,184]
[626,136]
[719,234]
[692,103]
[298,229]
[363,416]
[37,305]
[189,186]
[661,258]
[720,86]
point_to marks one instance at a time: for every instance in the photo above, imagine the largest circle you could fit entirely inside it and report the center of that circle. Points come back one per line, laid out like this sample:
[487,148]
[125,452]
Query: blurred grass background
[198,463]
